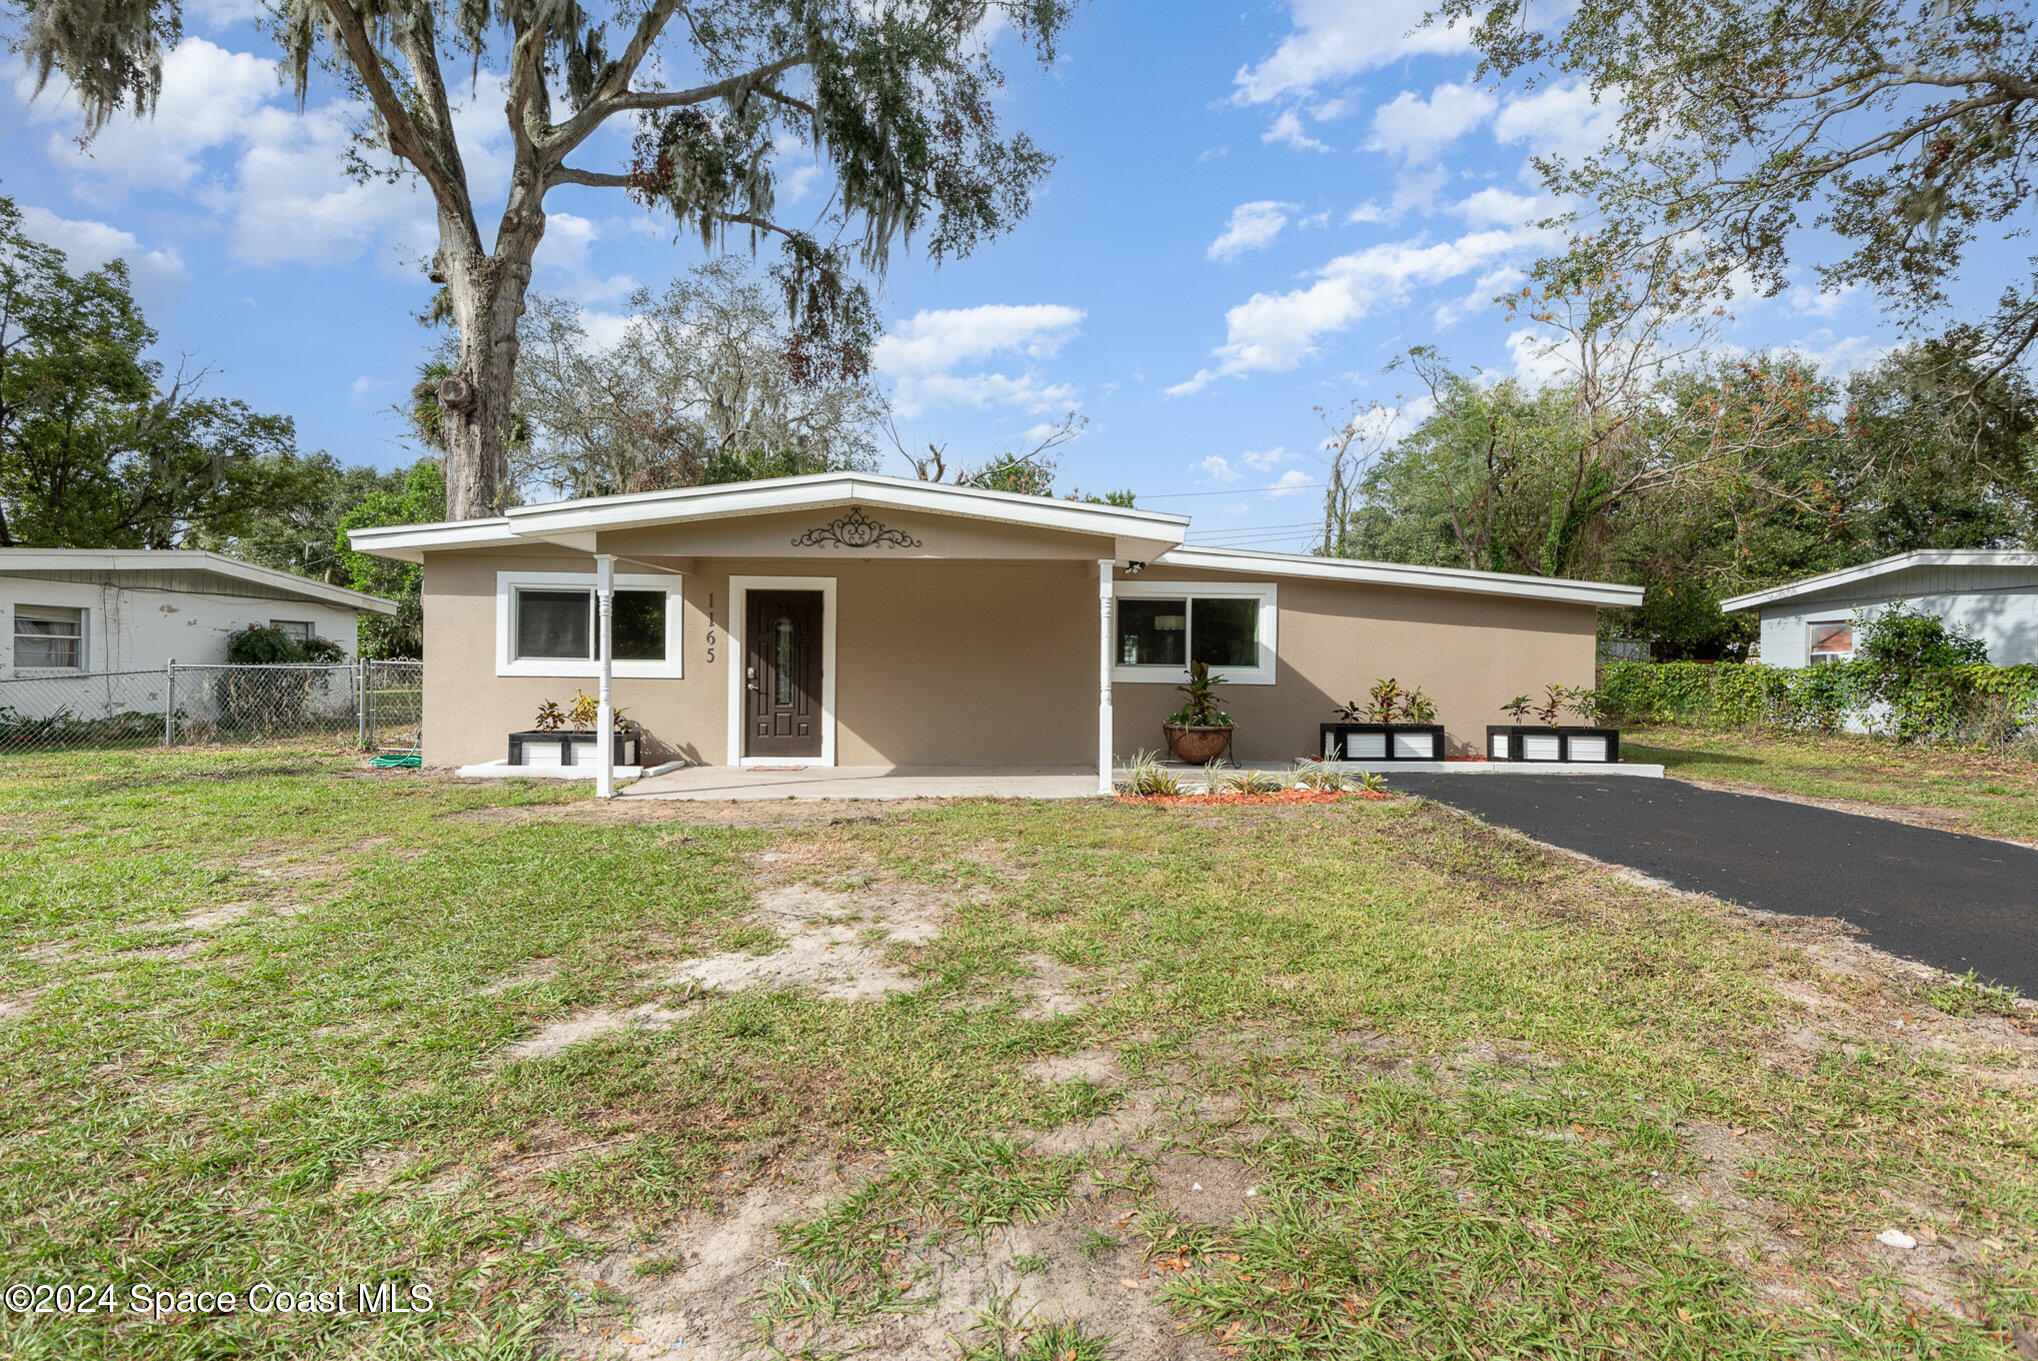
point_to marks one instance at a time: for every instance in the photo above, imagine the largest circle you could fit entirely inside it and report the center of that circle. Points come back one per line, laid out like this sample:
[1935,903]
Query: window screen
[1153,632]
[49,636]
[554,623]
[637,626]
[1224,632]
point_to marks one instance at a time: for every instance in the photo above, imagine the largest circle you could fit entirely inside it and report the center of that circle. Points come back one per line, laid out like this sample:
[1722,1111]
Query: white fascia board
[648,509]
[408,542]
[1562,589]
[1881,567]
[117,560]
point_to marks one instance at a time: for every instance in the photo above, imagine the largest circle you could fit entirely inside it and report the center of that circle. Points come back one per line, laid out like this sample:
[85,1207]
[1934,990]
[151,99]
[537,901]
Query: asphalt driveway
[1960,902]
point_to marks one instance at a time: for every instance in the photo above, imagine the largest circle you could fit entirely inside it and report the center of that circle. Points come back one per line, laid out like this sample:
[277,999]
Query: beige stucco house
[851,619]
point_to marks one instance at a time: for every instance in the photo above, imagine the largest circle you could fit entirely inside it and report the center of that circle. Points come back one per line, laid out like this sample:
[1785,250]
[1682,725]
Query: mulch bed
[1222,800]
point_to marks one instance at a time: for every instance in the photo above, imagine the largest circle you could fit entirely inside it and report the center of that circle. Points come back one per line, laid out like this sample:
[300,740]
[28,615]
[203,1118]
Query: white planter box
[1542,747]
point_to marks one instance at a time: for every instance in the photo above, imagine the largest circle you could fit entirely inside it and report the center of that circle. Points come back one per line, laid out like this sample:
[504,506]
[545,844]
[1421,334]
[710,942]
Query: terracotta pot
[1196,745]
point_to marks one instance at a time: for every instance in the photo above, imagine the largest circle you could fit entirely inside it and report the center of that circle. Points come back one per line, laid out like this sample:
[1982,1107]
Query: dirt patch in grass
[578,1027]
[718,1287]
[835,944]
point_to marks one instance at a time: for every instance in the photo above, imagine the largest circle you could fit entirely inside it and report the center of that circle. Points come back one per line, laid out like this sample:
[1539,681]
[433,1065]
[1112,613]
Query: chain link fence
[375,705]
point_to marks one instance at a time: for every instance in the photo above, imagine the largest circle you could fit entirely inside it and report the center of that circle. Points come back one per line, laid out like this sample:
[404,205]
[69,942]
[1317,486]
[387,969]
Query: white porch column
[605,713]
[1104,762]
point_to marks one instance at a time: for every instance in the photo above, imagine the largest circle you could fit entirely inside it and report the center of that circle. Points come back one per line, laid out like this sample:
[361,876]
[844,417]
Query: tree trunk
[487,294]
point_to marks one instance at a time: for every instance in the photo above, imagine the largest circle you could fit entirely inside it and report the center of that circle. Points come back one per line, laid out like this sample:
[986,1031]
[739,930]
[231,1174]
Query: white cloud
[1286,130]
[1253,226]
[564,266]
[1492,207]
[1366,212]
[208,96]
[1277,331]
[1481,294]
[287,196]
[921,354]
[1539,357]
[1838,356]
[88,245]
[1218,468]
[1416,129]
[1266,460]
[1418,189]
[1557,120]
[1290,482]
[1336,39]
[929,341]
[1815,303]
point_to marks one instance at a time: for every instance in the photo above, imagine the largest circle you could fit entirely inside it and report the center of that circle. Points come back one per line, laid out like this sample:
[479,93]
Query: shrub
[1973,704]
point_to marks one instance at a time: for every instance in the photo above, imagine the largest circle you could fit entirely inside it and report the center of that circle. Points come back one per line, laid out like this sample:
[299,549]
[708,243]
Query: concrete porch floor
[866,782]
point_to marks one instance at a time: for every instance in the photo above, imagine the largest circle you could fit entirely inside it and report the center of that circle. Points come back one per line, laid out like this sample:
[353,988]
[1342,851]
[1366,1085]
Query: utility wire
[1228,491]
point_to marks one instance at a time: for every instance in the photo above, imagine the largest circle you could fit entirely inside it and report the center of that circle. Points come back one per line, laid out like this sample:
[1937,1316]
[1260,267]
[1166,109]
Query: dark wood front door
[783,654]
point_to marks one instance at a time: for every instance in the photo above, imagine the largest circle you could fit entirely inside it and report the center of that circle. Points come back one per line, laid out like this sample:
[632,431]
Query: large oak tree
[1906,127]
[897,100]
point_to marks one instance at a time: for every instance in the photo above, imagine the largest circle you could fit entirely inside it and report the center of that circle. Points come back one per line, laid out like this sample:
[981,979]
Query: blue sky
[1255,210]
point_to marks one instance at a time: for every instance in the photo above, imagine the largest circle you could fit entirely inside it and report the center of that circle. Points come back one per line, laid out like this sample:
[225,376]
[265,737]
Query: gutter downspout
[605,713]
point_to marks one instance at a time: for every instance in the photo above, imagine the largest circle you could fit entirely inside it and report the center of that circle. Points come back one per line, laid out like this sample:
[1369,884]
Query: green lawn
[1067,1080]
[1959,790]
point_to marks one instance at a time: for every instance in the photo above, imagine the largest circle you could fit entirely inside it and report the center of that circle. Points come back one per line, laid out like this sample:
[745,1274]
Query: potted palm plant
[1199,732]
[565,736]
[1393,725]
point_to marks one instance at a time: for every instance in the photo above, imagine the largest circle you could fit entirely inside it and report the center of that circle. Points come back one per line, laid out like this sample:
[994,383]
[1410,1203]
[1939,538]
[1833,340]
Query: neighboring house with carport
[856,620]
[1989,593]
[77,611]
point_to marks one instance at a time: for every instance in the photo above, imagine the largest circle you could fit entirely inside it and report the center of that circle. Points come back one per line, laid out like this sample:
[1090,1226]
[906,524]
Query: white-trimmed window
[546,624]
[49,638]
[1159,627]
[300,629]
[1831,640]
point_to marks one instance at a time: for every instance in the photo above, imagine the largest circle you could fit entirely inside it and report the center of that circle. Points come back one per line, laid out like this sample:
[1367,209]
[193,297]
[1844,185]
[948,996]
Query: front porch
[866,782]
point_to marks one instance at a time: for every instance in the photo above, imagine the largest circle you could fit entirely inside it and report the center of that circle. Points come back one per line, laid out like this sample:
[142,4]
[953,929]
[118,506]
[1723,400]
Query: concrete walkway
[866,782]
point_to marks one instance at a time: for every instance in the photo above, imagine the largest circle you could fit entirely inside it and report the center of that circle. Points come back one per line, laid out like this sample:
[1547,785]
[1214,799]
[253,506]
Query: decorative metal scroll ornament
[855,530]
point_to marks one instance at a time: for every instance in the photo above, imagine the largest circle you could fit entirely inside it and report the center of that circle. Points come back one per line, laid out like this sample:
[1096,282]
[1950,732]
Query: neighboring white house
[86,611]
[1989,593]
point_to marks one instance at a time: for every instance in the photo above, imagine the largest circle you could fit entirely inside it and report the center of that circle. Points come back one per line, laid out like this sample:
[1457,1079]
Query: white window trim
[1267,593]
[739,618]
[84,665]
[507,584]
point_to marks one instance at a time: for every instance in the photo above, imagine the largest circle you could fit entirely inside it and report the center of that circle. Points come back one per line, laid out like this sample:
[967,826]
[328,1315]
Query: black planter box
[535,748]
[1592,746]
[1381,741]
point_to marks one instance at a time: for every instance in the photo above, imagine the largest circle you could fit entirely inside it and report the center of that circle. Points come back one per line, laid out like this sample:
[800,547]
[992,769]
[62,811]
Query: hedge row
[1983,705]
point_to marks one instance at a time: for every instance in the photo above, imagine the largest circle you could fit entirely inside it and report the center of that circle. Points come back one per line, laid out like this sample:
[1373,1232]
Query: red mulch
[1465,758]
[1221,800]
